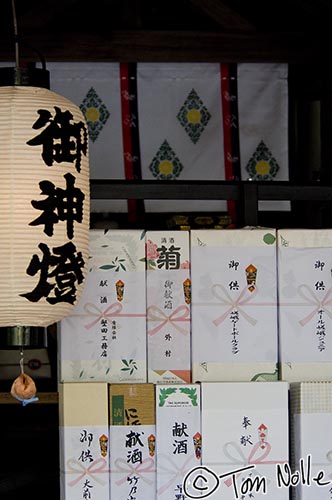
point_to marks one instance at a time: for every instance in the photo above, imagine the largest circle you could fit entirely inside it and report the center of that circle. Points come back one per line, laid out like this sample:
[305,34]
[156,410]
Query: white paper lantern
[44,206]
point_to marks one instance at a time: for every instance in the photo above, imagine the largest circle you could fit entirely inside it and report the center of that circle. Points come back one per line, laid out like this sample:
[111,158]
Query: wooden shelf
[247,194]
[44,398]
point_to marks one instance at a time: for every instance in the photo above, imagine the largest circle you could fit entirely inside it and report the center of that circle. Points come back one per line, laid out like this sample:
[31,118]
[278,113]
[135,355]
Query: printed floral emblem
[130,366]
[116,264]
[284,242]
[269,238]
[193,116]
[268,377]
[262,166]
[191,393]
[151,254]
[204,365]
[185,265]
[95,112]
[164,393]
[165,165]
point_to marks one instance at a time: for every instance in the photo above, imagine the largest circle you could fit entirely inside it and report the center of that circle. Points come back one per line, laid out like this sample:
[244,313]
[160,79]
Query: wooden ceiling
[293,31]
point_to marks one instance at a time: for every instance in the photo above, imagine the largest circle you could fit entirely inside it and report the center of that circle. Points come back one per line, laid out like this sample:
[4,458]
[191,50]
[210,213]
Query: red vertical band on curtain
[130,132]
[229,99]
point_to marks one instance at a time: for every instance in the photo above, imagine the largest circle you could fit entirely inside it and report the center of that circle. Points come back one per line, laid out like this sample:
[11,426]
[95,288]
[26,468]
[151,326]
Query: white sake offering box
[168,306]
[179,442]
[234,305]
[104,338]
[84,441]
[311,417]
[132,441]
[245,436]
[305,304]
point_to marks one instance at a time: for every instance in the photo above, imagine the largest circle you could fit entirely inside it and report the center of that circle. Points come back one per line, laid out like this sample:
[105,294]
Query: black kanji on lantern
[60,205]
[59,273]
[62,140]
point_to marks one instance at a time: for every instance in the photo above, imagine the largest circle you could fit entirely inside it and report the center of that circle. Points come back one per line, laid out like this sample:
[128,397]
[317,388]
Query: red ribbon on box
[99,466]
[311,298]
[179,315]
[147,465]
[112,311]
[175,471]
[226,299]
[257,456]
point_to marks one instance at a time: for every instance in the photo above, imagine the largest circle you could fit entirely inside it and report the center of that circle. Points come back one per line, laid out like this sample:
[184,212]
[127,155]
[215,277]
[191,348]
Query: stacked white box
[104,338]
[132,442]
[168,306]
[84,441]
[234,305]
[244,424]
[311,416]
[178,425]
[305,304]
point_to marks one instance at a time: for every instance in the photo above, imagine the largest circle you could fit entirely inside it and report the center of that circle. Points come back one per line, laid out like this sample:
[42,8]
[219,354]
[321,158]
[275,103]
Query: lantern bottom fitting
[29,337]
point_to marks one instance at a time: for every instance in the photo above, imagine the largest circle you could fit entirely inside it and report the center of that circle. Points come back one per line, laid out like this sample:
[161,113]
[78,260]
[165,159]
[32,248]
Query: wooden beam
[39,14]
[170,46]
[227,18]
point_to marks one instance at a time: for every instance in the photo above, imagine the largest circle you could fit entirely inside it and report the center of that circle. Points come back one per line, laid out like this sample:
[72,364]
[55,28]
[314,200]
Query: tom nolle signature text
[202,482]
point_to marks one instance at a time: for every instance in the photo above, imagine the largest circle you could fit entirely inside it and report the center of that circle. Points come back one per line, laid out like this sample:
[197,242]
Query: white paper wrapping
[244,424]
[234,319]
[84,441]
[104,338]
[178,437]
[133,469]
[168,306]
[311,413]
[305,313]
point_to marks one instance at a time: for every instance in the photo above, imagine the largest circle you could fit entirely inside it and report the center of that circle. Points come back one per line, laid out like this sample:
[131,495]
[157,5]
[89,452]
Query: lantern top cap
[28,74]
[34,77]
